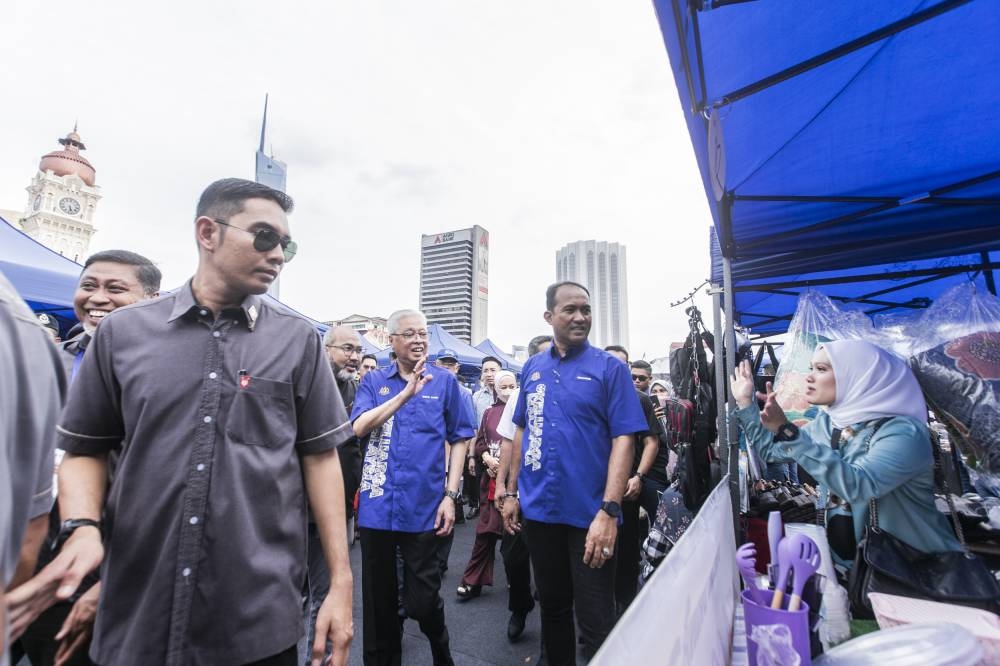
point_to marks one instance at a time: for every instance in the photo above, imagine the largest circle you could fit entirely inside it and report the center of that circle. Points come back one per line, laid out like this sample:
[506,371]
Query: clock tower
[61,200]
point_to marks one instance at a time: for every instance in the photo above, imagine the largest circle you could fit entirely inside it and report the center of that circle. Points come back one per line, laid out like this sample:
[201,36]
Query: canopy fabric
[45,279]
[438,339]
[490,349]
[766,305]
[841,135]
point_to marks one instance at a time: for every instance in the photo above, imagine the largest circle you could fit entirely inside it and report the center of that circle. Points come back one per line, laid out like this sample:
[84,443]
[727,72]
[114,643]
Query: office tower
[601,268]
[271,172]
[454,281]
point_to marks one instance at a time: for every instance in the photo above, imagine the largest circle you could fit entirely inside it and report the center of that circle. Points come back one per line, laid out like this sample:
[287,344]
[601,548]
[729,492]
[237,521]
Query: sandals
[466,592]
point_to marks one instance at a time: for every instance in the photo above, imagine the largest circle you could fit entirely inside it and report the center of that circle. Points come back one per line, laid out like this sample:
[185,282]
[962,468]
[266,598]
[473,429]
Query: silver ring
[606,552]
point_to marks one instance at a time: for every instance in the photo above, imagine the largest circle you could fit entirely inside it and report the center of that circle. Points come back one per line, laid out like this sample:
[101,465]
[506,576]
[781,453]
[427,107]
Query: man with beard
[408,414]
[575,415]
[343,349]
[226,418]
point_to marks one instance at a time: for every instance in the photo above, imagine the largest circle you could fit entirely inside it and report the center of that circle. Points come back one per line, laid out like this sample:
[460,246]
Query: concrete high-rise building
[62,198]
[601,268]
[454,281]
[271,172]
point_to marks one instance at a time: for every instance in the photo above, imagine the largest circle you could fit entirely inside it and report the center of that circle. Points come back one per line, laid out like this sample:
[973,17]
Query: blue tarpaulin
[490,349]
[45,279]
[842,141]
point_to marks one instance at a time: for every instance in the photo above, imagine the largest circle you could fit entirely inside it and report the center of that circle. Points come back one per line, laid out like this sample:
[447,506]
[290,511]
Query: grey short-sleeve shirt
[206,535]
[31,393]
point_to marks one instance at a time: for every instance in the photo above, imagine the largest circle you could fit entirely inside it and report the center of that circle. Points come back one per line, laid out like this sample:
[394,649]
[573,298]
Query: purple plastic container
[783,635]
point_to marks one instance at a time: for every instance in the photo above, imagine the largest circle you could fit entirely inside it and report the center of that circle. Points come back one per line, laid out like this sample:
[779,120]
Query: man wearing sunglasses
[226,419]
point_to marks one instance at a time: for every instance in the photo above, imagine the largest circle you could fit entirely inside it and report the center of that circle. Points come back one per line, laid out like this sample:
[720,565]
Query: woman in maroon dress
[489,528]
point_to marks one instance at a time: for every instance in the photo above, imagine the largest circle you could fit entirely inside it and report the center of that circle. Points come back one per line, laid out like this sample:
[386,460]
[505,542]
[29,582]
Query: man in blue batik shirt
[575,416]
[408,415]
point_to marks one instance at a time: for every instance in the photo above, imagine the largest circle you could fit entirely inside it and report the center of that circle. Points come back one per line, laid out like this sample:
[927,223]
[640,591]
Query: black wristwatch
[613,509]
[67,527]
[786,432]
[454,494]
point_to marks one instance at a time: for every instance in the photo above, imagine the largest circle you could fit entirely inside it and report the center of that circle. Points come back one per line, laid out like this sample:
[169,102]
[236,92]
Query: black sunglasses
[639,378]
[265,240]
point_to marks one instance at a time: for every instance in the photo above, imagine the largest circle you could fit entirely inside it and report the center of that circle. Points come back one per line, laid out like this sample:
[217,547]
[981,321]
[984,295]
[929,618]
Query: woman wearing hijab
[489,528]
[865,393]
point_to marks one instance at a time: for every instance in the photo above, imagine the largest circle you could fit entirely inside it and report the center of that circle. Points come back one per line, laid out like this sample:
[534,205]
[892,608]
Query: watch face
[36,204]
[69,205]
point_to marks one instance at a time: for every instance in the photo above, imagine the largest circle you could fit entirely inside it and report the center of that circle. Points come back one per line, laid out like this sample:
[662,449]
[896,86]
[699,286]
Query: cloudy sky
[544,122]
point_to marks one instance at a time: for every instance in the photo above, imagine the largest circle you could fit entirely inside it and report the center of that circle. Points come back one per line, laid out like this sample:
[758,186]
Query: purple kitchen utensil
[774,534]
[805,563]
[787,553]
[746,561]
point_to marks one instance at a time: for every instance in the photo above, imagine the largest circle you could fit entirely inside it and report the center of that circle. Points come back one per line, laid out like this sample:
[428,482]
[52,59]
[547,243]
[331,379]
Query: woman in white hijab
[866,395]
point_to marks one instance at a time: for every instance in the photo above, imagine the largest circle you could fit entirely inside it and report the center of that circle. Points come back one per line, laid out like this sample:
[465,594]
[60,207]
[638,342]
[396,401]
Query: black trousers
[517,566]
[563,580]
[383,631]
[627,557]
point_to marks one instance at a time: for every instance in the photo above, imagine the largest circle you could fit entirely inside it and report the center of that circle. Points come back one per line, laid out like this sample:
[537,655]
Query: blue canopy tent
[851,146]
[45,279]
[508,361]
[469,358]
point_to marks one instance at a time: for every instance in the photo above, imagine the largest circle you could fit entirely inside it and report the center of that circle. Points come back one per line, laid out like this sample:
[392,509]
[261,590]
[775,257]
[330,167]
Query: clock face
[36,204]
[69,205]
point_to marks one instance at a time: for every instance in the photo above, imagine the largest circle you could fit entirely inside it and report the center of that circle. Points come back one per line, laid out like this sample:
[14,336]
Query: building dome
[69,160]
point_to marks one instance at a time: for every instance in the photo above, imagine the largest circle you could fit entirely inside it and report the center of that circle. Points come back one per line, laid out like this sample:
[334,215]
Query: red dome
[69,160]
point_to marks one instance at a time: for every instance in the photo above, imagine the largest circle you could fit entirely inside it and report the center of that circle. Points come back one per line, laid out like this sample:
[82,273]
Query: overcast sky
[544,122]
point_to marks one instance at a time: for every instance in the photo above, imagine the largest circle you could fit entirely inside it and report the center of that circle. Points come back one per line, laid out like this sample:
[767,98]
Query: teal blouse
[898,470]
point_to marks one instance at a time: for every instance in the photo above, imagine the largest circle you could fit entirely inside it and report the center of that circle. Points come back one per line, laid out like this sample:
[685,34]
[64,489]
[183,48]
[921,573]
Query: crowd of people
[213,454]
[216,457]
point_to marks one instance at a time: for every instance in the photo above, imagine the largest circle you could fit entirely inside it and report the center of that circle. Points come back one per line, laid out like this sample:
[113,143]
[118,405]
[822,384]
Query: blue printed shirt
[402,480]
[570,409]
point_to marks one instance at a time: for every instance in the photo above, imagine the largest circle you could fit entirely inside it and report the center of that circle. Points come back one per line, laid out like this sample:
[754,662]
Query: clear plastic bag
[816,320]
[956,357]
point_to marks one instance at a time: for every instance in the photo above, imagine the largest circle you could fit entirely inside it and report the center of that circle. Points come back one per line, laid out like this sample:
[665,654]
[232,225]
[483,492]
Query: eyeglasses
[411,334]
[639,378]
[349,349]
[265,240]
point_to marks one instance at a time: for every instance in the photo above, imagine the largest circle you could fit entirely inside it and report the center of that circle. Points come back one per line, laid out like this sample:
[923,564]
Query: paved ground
[478,627]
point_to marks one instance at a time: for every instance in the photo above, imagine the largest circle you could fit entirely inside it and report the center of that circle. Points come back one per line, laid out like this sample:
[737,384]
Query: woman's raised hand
[741,384]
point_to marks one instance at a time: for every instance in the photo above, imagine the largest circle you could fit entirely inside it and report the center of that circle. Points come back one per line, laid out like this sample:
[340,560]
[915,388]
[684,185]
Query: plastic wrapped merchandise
[910,645]
[816,320]
[956,358]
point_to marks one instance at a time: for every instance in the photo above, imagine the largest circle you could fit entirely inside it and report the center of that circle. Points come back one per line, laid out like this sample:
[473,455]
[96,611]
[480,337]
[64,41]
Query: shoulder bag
[885,564]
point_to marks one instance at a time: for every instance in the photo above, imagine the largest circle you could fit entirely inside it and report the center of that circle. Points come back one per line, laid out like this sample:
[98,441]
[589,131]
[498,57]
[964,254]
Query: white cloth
[871,383]
[506,426]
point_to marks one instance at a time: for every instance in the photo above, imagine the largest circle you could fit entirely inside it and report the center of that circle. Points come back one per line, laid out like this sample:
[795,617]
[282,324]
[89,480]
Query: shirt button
[207,419]
[203,312]
[212,375]
[186,572]
[216,334]
[194,520]
[200,467]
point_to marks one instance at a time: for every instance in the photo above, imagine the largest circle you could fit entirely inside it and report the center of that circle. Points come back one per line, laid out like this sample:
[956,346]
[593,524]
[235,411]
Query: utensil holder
[781,633]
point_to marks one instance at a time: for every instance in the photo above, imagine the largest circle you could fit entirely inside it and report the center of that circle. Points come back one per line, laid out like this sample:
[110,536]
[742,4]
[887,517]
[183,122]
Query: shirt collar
[185,303]
[573,351]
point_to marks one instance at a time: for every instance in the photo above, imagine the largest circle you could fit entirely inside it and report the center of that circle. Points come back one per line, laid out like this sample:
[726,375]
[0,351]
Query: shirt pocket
[262,414]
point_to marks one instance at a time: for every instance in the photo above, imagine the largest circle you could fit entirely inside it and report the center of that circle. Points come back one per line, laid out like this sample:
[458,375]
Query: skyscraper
[271,172]
[600,267]
[454,281]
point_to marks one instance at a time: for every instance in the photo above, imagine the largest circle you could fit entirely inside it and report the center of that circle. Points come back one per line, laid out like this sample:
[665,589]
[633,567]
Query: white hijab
[871,383]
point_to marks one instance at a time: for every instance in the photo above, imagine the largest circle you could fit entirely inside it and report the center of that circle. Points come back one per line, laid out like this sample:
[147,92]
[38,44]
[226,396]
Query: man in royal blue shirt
[408,415]
[575,416]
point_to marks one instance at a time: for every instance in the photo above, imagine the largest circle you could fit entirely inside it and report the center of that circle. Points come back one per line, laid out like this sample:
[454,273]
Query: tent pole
[718,354]
[732,436]
[988,273]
